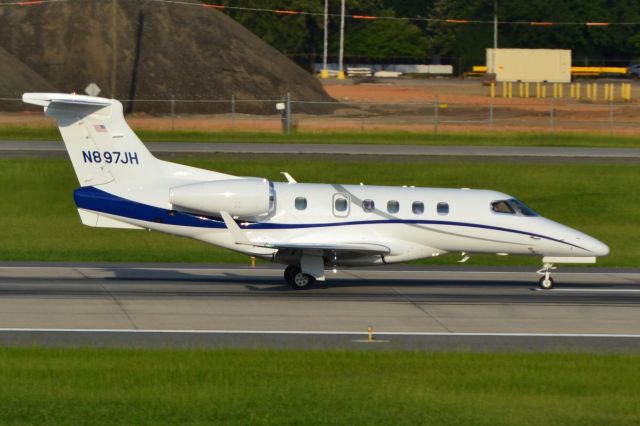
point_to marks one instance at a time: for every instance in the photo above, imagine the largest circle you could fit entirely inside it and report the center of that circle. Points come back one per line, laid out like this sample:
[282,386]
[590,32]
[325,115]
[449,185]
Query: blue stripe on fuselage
[91,198]
[94,199]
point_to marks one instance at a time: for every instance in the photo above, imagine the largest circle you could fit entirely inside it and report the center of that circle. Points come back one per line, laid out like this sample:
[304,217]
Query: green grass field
[378,137]
[276,387]
[40,221]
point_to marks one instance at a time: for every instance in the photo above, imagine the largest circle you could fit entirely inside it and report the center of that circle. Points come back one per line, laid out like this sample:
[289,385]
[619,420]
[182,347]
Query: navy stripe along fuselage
[91,198]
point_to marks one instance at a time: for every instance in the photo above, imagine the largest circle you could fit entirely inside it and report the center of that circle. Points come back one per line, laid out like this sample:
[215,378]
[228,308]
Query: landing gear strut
[297,279]
[546,282]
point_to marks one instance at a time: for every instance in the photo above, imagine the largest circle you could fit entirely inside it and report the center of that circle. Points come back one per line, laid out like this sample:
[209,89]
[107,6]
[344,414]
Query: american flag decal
[100,128]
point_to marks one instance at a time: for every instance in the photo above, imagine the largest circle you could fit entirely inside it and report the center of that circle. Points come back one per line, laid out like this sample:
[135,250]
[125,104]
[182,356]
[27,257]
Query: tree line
[387,41]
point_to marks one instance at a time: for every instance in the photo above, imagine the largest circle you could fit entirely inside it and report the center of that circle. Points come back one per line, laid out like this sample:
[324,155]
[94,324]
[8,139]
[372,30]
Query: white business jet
[308,227]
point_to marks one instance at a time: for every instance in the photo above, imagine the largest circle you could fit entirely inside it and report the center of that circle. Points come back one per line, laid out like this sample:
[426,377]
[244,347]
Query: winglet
[290,178]
[238,236]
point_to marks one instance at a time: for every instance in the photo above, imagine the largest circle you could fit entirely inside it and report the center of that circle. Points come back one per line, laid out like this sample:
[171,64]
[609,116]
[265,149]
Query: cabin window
[368,206]
[502,207]
[301,203]
[443,208]
[393,206]
[417,207]
[341,205]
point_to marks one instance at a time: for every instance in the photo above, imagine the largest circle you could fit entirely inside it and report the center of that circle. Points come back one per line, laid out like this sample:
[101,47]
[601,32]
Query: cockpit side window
[502,206]
[512,206]
[522,208]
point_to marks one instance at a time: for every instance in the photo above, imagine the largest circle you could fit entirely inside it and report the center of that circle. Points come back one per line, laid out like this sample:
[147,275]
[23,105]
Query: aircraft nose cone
[598,248]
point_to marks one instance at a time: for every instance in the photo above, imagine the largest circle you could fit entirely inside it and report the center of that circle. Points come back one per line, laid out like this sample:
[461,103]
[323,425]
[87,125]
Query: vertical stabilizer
[100,144]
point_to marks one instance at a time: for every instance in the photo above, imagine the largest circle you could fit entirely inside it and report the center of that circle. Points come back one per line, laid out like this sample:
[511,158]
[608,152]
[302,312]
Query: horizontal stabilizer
[99,221]
[44,99]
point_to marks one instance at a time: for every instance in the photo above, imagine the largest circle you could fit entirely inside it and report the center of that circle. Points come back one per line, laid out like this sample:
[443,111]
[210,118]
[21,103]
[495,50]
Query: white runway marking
[317,332]
[590,290]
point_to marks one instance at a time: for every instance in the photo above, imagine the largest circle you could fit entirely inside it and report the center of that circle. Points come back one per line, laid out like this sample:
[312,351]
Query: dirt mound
[15,79]
[161,50]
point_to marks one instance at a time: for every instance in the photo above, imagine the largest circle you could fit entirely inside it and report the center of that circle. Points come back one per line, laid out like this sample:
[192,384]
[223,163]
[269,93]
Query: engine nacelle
[238,197]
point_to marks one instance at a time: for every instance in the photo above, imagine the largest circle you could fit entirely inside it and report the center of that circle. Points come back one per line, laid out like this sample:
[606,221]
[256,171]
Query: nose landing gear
[546,282]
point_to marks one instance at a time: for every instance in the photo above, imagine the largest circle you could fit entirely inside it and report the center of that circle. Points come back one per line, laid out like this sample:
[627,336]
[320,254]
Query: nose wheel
[546,282]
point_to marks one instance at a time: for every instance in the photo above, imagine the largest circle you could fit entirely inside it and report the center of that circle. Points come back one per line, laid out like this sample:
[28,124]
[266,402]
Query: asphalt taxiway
[558,154]
[421,308]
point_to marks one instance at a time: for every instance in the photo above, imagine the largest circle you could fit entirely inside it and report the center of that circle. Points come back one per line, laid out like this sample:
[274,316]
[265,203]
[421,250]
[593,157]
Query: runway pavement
[53,148]
[420,308]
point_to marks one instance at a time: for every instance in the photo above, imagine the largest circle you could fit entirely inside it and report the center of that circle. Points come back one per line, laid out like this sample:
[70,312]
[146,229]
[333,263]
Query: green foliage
[301,36]
[291,34]
[285,387]
[587,43]
[382,39]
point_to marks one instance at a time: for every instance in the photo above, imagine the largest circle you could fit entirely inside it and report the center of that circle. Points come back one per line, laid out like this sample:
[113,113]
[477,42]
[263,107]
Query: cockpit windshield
[512,206]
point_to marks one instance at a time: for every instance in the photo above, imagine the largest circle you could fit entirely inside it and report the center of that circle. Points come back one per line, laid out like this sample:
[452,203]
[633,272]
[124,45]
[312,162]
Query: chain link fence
[289,115]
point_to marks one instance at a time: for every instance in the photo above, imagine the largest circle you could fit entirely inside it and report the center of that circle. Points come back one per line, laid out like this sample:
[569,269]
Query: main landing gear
[297,279]
[546,282]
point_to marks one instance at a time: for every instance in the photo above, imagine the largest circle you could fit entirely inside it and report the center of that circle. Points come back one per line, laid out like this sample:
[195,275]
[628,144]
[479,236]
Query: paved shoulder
[48,148]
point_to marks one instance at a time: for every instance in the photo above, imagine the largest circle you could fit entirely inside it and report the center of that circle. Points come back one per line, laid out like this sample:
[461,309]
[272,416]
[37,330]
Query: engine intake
[238,197]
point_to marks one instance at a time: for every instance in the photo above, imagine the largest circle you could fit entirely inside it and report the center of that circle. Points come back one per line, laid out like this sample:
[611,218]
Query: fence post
[611,117]
[552,124]
[491,114]
[173,112]
[436,108]
[233,112]
[288,114]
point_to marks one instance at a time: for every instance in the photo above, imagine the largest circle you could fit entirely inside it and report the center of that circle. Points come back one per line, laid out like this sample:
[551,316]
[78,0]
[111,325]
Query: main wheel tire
[288,273]
[546,283]
[301,281]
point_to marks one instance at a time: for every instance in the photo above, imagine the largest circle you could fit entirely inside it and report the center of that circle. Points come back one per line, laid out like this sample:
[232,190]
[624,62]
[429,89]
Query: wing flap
[365,248]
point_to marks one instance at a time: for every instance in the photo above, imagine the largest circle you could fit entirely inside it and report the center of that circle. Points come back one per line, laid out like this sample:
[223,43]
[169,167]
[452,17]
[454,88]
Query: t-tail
[117,173]
[100,144]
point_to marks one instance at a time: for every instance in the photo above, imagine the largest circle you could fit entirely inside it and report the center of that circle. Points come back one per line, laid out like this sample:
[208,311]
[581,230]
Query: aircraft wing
[364,248]
[241,238]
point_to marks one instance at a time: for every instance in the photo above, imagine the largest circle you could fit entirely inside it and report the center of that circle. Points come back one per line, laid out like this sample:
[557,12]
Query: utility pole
[114,46]
[325,72]
[340,64]
[495,38]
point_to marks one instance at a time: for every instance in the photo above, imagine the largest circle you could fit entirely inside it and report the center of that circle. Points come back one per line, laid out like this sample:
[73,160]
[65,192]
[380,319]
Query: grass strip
[378,137]
[40,220]
[266,387]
